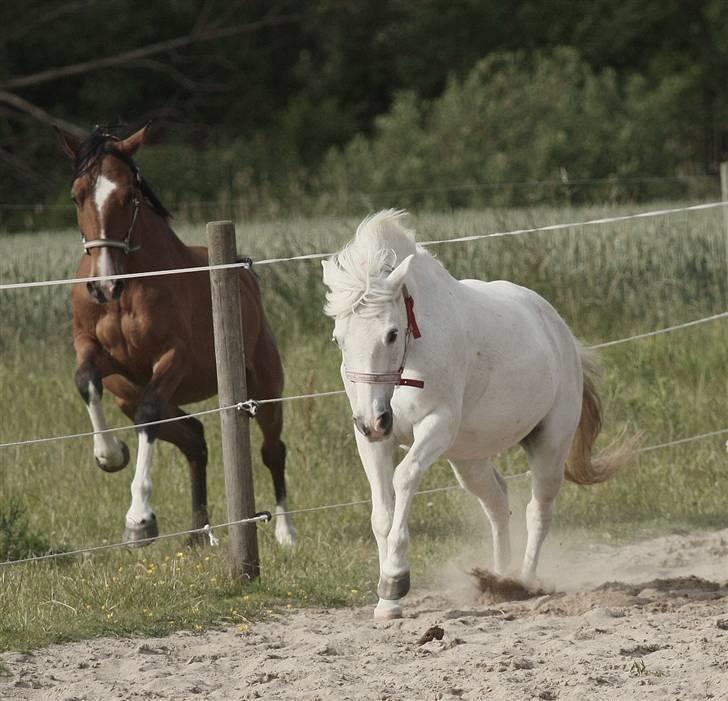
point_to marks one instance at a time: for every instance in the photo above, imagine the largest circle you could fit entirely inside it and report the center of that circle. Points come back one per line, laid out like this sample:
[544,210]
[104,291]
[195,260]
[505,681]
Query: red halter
[394,378]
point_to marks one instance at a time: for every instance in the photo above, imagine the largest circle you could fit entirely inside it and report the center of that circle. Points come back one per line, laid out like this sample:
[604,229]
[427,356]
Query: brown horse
[149,340]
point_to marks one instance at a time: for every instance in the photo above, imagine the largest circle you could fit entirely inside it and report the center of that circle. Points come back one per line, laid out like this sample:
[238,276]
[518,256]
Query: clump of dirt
[496,589]
[432,633]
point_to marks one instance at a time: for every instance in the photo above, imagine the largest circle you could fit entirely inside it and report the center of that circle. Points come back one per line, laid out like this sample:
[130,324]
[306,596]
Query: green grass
[608,281]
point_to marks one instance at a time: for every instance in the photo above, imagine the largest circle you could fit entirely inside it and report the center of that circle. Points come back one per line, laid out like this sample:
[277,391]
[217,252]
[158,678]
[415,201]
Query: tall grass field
[608,281]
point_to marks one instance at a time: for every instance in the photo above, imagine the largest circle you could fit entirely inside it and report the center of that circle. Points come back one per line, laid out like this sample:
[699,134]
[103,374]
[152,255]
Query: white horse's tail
[581,466]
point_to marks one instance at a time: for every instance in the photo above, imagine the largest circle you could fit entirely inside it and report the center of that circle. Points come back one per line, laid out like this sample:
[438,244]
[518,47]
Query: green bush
[517,119]
[17,541]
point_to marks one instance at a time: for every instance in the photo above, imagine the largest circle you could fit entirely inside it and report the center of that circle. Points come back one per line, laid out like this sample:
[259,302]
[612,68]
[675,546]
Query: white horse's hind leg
[547,458]
[481,478]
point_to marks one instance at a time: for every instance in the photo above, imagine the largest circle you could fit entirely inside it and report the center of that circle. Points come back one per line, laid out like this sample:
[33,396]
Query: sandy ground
[645,621]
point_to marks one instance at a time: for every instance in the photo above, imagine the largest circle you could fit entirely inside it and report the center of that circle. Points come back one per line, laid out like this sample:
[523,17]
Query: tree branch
[21,171]
[177,76]
[144,52]
[40,114]
[35,19]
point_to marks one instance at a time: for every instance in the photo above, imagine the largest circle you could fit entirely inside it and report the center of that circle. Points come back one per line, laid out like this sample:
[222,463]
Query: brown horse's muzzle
[106,290]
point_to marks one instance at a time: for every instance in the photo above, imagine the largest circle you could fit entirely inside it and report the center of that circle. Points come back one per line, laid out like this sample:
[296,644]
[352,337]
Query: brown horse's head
[108,192]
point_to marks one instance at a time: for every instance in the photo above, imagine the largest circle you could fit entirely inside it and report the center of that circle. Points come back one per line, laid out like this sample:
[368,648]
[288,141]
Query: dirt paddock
[646,621]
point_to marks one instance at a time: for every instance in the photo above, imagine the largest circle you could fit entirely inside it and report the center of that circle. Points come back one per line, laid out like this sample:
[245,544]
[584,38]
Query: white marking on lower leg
[107,449]
[141,486]
[285,531]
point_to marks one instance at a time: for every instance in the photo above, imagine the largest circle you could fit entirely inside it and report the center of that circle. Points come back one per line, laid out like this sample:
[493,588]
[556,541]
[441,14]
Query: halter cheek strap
[394,378]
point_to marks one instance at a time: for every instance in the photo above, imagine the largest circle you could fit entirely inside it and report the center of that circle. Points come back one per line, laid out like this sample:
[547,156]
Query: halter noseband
[394,378]
[125,244]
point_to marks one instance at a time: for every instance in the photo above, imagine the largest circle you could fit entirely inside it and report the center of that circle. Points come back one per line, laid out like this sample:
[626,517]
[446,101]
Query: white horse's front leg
[432,437]
[378,462]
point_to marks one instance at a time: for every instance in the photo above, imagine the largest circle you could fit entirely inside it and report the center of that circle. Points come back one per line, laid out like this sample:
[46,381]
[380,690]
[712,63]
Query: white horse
[460,370]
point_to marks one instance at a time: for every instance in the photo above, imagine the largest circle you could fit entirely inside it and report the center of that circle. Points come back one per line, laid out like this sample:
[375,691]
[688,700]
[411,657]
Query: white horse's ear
[396,278]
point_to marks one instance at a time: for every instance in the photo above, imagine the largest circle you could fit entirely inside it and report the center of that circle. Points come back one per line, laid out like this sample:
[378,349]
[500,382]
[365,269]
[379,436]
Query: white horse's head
[365,298]
[373,349]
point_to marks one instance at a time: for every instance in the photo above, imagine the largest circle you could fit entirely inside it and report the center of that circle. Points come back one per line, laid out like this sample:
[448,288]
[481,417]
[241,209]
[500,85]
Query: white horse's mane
[356,275]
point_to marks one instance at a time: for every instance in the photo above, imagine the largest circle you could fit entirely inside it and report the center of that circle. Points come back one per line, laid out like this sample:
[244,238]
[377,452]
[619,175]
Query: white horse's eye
[392,336]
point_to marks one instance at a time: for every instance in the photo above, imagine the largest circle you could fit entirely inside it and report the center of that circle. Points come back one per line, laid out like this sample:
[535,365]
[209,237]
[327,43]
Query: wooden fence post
[724,197]
[230,358]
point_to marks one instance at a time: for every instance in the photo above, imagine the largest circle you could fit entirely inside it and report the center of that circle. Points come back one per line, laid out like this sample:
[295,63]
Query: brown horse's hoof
[120,466]
[393,588]
[141,535]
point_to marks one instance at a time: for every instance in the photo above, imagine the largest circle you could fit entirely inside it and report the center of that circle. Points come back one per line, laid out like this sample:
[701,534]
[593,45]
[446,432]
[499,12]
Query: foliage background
[327,106]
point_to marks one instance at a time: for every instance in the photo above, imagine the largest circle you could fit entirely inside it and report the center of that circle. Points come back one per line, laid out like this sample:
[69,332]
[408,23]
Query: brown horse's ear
[69,143]
[131,144]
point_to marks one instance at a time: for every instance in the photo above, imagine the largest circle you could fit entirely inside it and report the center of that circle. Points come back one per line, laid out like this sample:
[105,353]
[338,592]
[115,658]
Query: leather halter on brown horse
[149,341]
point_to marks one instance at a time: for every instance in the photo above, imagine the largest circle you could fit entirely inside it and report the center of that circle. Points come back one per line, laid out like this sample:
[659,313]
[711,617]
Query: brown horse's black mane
[101,143]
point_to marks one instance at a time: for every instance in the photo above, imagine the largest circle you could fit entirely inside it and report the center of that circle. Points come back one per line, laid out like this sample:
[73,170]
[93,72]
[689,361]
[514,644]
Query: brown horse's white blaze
[149,341]
[105,265]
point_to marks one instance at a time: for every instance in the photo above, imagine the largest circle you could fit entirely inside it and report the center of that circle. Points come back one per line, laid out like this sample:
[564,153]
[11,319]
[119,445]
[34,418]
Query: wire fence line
[251,405]
[659,332]
[317,256]
[461,187]
[265,516]
[205,530]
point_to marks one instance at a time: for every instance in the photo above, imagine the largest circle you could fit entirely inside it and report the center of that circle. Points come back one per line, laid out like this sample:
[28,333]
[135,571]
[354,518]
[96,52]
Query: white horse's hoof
[387,610]
[393,587]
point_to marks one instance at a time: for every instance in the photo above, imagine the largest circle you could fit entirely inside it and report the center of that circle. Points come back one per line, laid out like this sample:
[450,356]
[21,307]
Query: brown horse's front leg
[111,453]
[141,521]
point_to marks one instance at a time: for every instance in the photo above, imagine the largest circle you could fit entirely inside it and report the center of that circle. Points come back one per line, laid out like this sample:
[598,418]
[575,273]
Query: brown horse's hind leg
[266,382]
[189,437]
[273,452]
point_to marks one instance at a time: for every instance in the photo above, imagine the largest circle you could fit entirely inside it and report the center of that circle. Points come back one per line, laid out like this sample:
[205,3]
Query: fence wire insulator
[250,407]
[247,262]
[264,516]
[207,530]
